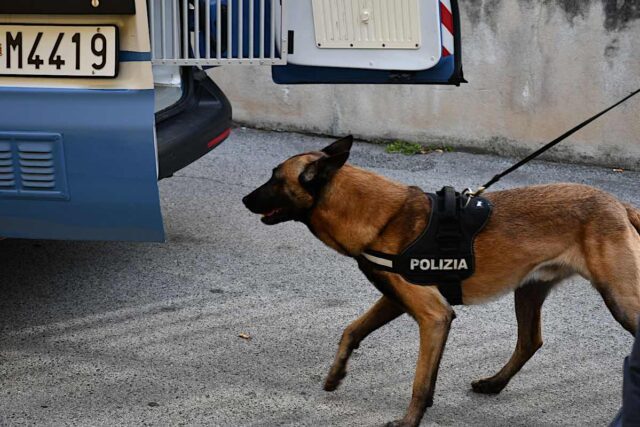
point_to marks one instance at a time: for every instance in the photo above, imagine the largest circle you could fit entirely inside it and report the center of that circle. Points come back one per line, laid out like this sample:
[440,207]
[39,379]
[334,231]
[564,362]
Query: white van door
[371,41]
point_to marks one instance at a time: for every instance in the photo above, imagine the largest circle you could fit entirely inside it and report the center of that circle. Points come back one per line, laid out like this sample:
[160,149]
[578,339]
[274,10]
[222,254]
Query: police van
[100,99]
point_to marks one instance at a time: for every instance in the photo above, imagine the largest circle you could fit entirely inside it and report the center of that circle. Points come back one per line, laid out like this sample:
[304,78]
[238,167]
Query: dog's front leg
[434,319]
[381,313]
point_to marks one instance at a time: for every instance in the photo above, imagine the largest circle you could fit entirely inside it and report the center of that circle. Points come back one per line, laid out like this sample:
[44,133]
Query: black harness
[443,254]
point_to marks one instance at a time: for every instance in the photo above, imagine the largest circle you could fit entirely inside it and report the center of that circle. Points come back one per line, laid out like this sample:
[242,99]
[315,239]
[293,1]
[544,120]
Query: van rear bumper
[78,164]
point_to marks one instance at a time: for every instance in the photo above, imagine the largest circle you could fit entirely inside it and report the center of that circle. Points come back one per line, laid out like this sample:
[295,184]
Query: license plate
[58,50]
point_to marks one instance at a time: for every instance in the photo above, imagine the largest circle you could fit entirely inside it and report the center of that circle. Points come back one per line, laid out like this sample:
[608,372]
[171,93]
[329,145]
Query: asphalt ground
[148,334]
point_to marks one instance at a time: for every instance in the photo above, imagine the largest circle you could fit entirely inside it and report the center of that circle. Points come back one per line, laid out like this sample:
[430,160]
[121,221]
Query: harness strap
[452,292]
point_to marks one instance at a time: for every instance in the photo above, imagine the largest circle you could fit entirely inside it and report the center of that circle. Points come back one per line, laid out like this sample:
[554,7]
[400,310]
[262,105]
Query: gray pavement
[147,334]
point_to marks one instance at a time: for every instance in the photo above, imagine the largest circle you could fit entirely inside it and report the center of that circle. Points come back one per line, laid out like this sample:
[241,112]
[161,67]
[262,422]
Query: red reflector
[218,139]
[446,17]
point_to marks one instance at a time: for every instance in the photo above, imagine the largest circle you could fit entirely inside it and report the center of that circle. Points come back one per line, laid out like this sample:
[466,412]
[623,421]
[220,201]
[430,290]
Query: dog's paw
[487,386]
[333,381]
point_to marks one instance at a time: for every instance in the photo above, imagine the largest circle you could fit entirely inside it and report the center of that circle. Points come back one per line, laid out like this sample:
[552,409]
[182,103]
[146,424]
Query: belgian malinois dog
[536,237]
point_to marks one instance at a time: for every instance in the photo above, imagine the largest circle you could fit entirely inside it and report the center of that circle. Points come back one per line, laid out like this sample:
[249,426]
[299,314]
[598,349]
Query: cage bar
[177,32]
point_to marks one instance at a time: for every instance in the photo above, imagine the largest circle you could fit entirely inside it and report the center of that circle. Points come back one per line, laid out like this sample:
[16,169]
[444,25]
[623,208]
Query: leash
[553,143]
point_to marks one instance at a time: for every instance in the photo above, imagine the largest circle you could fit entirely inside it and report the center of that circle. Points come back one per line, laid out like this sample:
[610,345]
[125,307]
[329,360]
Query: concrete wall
[536,68]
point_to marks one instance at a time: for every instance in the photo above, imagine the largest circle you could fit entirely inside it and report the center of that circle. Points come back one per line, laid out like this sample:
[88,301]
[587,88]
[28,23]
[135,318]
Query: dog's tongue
[272,212]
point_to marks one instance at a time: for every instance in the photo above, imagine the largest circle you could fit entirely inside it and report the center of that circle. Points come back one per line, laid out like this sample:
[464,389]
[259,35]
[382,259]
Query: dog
[536,237]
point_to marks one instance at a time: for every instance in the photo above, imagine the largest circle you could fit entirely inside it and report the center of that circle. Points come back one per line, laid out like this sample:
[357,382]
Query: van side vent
[7,173]
[37,169]
[32,165]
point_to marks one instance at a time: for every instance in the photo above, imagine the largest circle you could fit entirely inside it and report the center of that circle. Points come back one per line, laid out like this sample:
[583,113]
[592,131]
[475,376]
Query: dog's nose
[245,200]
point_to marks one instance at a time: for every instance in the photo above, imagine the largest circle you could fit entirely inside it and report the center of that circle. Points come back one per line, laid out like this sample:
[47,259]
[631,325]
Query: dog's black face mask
[273,201]
[297,183]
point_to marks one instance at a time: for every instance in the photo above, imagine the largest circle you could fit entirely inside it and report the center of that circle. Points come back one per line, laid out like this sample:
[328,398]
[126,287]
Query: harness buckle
[469,193]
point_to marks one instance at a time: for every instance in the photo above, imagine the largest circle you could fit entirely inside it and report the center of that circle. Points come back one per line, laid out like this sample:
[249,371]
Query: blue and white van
[99,99]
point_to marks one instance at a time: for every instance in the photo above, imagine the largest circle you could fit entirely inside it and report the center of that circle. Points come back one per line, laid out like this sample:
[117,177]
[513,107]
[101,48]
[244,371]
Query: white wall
[535,69]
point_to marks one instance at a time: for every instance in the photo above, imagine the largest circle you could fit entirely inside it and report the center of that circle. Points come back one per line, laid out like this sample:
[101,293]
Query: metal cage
[217,32]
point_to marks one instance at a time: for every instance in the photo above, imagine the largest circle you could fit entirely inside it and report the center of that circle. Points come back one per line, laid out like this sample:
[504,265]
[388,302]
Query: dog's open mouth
[271,213]
[274,216]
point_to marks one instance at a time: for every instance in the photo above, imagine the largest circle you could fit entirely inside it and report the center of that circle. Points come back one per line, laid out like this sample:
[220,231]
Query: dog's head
[297,183]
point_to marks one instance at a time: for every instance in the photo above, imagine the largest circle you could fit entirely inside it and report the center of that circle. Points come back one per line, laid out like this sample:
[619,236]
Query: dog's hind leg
[622,298]
[381,313]
[614,267]
[624,304]
[528,304]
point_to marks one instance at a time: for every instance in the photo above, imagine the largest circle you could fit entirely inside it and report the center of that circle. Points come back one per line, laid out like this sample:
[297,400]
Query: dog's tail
[634,216]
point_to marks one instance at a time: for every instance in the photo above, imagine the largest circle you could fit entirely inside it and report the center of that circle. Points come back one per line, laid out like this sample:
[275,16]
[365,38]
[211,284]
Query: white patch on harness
[377,260]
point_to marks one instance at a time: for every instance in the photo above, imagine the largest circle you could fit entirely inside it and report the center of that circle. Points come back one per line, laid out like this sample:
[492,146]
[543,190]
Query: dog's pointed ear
[340,146]
[319,172]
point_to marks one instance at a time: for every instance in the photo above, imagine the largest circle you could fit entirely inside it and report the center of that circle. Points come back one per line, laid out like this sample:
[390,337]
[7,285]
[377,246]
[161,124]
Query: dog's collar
[442,255]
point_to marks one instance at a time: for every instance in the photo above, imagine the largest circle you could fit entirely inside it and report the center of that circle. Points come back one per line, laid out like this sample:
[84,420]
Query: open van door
[371,41]
[316,41]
